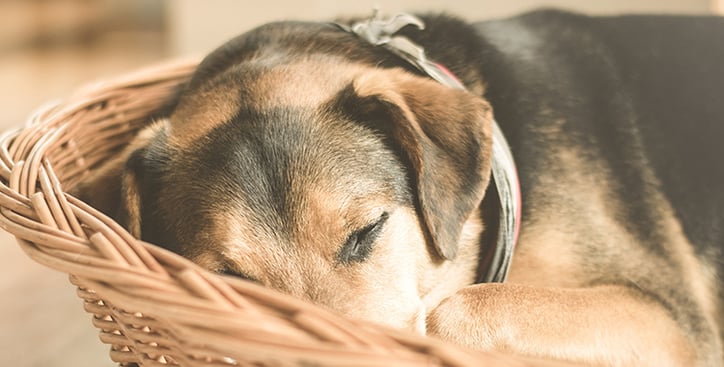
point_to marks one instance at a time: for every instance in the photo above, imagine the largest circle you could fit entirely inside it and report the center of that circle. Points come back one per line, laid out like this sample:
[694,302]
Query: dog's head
[352,186]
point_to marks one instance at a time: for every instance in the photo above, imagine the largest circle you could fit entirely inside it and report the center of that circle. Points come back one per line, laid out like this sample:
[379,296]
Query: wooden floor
[42,322]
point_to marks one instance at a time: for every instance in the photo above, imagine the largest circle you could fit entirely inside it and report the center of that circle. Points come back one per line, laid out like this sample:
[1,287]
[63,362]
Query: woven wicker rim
[153,307]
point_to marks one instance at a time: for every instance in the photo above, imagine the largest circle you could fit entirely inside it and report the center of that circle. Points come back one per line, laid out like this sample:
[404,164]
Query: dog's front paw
[468,318]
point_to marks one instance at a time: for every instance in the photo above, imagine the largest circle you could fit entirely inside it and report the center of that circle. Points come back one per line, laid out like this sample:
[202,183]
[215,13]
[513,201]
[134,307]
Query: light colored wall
[718,6]
[199,26]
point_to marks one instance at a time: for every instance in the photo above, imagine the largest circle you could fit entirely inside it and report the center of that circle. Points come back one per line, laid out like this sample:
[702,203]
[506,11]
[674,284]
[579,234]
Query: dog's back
[665,73]
[674,77]
[636,103]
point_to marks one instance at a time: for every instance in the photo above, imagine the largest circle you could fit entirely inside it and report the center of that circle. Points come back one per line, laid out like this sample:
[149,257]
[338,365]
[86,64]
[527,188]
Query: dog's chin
[413,319]
[416,323]
[419,320]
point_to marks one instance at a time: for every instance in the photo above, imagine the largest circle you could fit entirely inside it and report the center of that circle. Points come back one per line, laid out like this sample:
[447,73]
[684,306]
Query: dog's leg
[603,325]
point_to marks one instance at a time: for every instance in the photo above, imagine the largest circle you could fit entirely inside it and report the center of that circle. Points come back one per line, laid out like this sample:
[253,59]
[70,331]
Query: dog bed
[152,307]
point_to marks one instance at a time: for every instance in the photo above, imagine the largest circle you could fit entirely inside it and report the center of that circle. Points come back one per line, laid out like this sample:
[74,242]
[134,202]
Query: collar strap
[381,32]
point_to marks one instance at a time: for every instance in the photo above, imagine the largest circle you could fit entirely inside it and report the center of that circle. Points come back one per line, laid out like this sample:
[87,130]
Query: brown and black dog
[303,158]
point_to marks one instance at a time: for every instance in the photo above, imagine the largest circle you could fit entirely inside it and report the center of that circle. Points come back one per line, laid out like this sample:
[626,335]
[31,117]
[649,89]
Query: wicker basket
[153,307]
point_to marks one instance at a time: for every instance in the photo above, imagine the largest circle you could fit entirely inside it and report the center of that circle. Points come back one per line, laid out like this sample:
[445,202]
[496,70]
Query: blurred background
[48,48]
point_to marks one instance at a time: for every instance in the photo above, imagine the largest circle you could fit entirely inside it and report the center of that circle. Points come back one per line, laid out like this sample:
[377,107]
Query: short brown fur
[317,140]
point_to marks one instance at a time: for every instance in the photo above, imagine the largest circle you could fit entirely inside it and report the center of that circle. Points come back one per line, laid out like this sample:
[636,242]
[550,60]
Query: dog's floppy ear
[114,187]
[129,210]
[445,136]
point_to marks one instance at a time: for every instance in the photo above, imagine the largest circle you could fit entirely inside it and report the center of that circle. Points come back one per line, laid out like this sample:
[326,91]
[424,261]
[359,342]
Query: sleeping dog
[307,159]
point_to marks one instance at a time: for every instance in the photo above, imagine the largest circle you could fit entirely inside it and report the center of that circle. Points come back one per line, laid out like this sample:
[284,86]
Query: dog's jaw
[420,323]
[439,280]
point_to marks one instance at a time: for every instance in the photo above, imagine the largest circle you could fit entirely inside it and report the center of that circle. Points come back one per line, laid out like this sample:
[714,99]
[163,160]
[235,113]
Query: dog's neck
[489,212]
[452,43]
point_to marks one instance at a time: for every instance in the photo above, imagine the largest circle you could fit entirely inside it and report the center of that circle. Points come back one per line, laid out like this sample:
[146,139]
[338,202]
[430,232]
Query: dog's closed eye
[359,244]
[237,274]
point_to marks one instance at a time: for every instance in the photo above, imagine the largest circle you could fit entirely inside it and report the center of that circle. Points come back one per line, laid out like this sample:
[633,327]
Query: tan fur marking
[549,252]
[303,83]
[546,262]
[545,255]
[197,115]
[699,276]
[132,204]
[572,324]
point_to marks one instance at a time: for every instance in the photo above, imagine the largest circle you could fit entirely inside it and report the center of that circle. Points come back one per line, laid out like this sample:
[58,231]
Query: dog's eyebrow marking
[208,107]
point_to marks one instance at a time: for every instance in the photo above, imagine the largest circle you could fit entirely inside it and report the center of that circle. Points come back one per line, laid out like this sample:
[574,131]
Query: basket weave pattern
[153,307]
